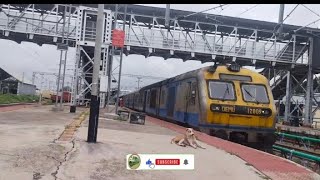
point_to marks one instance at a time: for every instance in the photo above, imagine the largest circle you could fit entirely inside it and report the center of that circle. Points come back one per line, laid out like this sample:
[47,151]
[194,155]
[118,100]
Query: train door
[148,102]
[171,101]
[190,102]
[187,97]
[158,101]
[144,101]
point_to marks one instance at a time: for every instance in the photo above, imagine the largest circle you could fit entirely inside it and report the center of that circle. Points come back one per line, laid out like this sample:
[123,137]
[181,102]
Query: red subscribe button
[167,161]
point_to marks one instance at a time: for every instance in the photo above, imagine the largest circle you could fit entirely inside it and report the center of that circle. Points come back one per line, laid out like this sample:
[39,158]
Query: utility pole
[41,83]
[280,20]
[110,59]
[167,16]
[66,53]
[95,100]
[60,64]
[139,79]
[33,77]
[121,56]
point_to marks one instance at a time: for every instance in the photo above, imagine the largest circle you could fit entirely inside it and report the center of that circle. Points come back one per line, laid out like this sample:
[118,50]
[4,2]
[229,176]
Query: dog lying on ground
[187,139]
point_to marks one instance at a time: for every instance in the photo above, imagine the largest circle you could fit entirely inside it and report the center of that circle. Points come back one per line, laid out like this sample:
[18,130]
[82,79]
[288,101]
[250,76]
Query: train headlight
[266,112]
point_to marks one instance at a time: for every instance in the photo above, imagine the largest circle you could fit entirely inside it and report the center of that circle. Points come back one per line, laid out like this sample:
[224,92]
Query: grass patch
[13,98]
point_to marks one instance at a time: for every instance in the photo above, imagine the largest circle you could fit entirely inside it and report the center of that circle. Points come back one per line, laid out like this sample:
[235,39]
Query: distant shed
[13,85]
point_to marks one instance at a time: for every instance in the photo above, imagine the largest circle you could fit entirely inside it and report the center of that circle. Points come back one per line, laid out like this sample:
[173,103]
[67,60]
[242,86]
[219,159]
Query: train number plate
[244,110]
[254,111]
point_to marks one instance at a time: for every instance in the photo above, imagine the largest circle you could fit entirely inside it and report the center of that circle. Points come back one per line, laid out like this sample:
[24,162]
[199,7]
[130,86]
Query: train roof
[188,74]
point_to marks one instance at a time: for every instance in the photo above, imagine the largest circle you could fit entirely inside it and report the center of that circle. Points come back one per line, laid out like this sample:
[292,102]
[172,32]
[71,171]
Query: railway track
[300,149]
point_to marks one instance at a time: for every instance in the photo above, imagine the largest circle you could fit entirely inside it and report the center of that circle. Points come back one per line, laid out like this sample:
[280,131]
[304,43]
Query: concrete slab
[116,139]
[111,115]
[27,148]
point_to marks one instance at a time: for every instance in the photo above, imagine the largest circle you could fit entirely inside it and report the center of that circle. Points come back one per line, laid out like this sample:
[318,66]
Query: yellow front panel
[236,119]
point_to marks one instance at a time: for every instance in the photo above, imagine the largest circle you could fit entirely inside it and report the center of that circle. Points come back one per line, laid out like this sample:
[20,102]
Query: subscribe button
[160,161]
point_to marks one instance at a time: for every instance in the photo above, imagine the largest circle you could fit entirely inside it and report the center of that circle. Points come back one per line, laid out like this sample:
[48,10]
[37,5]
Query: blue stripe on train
[163,112]
[151,110]
[192,118]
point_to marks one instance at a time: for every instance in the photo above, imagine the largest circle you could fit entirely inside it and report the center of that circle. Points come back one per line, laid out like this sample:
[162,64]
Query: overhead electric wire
[313,22]
[306,25]
[311,10]
[248,9]
[220,6]
[215,15]
[274,29]
[290,12]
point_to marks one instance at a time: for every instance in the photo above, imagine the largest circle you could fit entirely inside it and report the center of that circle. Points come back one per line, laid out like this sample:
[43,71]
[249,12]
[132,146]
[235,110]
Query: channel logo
[160,161]
[134,161]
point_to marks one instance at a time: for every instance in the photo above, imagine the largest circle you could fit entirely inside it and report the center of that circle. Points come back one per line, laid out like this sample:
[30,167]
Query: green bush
[13,98]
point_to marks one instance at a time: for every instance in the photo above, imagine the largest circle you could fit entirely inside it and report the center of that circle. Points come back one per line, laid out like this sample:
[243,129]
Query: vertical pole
[167,16]
[65,56]
[75,81]
[95,102]
[40,98]
[61,53]
[111,58]
[288,97]
[280,20]
[139,81]
[33,77]
[121,56]
[309,93]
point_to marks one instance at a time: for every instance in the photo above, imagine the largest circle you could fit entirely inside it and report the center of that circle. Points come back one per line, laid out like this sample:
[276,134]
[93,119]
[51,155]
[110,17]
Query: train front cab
[239,106]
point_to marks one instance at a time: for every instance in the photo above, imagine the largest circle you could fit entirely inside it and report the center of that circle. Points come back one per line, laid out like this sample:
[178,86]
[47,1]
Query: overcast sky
[28,57]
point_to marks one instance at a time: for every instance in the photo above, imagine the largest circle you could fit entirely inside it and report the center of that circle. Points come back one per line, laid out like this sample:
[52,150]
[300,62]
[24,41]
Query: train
[66,97]
[223,100]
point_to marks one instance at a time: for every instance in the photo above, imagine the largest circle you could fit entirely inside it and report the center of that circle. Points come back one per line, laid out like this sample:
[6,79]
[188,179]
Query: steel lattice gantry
[203,37]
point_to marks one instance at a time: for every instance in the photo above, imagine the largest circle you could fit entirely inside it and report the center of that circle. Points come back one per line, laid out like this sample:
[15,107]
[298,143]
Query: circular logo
[134,161]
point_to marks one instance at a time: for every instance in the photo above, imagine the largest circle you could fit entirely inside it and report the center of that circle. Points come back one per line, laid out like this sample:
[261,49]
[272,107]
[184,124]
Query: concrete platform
[299,130]
[27,135]
[272,166]
[30,150]
[116,139]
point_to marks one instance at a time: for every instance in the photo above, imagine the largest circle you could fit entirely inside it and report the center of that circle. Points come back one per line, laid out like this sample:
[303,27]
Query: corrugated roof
[15,75]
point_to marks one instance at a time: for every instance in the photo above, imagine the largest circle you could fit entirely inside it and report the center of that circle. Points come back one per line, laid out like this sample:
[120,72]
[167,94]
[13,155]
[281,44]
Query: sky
[25,58]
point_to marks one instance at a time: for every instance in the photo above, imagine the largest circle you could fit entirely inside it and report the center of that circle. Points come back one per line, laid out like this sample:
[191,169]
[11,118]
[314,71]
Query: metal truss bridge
[287,59]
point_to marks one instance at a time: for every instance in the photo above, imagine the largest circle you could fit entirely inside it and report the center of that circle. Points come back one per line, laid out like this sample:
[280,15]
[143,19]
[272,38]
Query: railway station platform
[42,143]
[299,130]
[220,160]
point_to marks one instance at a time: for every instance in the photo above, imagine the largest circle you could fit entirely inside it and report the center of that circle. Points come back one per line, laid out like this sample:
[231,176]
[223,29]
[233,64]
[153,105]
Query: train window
[153,98]
[221,90]
[254,93]
[232,77]
[193,93]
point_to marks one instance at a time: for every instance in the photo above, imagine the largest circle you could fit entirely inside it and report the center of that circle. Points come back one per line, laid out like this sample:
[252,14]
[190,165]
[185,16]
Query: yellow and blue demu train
[226,101]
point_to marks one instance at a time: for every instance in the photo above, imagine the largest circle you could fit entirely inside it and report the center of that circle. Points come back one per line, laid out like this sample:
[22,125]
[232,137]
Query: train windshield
[254,93]
[221,90]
